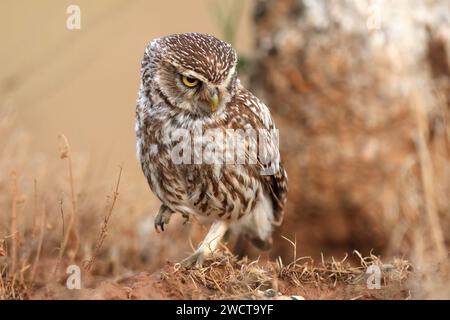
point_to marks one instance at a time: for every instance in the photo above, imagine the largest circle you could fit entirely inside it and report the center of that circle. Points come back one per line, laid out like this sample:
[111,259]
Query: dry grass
[227,277]
[70,232]
[104,229]
[53,213]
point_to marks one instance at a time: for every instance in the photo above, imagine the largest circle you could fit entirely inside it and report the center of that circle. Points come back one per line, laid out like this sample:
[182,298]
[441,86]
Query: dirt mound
[229,278]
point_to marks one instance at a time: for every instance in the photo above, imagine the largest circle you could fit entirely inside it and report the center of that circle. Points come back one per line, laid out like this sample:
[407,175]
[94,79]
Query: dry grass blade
[13,227]
[427,174]
[65,153]
[39,246]
[2,248]
[104,229]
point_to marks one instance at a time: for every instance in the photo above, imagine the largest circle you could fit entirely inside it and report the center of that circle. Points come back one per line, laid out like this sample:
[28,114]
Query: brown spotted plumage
[189,84]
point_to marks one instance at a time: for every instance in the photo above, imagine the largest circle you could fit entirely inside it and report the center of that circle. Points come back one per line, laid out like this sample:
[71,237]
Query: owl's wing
[278,188]
[253,113]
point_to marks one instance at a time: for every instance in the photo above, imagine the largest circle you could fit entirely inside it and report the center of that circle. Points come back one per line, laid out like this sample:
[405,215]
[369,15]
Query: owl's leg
[208,245]
[162,217]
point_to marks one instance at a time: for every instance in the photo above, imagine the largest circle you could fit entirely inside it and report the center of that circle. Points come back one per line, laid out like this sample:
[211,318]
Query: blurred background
[360,91]
[84,83]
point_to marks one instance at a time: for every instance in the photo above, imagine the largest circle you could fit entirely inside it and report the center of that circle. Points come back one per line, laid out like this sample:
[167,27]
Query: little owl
[189,81]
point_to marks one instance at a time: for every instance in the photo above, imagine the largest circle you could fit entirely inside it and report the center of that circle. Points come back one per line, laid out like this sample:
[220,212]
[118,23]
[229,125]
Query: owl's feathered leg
[162,217]
[208,245]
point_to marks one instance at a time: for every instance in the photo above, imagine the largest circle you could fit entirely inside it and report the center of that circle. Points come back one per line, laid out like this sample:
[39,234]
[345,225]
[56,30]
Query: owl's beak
[214,101]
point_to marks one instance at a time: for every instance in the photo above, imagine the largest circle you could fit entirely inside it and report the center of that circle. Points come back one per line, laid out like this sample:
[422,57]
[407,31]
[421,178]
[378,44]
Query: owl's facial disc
[191,91]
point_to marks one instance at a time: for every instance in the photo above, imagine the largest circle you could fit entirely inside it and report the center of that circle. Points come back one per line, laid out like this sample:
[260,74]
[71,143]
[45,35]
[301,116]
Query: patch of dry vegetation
[228,277]
[56,212]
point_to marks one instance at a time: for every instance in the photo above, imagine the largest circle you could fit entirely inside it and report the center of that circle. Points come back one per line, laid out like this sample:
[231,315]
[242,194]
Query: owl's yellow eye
[189,82]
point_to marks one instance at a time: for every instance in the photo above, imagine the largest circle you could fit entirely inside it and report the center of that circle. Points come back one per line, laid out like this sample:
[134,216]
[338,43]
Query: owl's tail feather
[258,225]
[263,245]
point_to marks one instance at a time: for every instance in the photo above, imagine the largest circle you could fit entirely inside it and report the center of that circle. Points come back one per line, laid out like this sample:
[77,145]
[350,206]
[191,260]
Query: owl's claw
[160,225]
[194,260]
[208,245]
[162,218]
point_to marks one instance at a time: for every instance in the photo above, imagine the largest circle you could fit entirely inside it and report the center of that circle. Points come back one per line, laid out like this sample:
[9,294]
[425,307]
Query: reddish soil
[219,282]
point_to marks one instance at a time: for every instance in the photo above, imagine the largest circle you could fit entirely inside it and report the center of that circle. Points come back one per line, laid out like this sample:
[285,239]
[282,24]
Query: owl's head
[191,71]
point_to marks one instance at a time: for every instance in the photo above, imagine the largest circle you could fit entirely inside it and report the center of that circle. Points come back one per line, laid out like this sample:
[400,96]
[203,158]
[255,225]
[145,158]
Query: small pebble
[270,293]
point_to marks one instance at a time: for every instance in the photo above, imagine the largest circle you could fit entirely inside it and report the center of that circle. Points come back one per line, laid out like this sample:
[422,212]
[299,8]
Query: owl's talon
[208,245]
[195,260]
[160,226]
[162,218]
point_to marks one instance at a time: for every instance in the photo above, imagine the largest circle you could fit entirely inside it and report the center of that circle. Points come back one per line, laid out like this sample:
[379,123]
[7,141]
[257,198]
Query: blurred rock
[361,93]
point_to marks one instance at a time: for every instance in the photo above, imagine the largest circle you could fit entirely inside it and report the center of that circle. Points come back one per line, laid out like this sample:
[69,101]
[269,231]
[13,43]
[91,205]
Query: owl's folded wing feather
[269,168]
[278,188]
